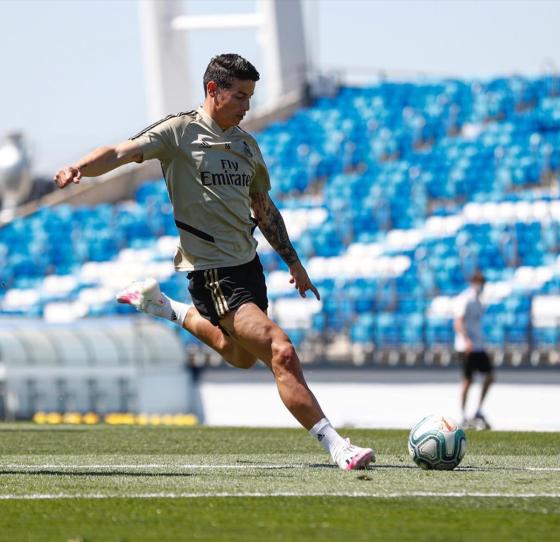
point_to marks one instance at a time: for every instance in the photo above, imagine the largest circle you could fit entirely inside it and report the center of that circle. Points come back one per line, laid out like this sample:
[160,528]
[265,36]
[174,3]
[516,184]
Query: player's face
[231,104]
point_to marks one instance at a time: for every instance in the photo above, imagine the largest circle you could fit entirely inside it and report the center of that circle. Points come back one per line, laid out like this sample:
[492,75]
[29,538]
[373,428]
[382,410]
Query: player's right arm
[98,162]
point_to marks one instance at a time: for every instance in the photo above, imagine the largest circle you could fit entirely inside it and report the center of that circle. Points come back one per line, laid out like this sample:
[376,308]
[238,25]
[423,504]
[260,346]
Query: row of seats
[393,194]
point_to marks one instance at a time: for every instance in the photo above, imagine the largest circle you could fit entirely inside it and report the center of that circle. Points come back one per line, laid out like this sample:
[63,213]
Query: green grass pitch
[103,483]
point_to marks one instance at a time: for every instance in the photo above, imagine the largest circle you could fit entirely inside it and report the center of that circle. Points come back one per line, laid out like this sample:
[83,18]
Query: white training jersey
[468,306]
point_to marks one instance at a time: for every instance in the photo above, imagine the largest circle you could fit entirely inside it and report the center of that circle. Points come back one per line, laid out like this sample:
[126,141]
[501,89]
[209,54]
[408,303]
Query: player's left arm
[274,230]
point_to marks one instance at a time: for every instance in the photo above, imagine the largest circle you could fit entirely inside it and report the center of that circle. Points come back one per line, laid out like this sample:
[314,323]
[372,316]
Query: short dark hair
[477,277]
[223,68]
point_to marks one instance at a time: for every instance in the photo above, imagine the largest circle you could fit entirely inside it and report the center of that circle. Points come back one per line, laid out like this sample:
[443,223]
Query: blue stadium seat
[384,157]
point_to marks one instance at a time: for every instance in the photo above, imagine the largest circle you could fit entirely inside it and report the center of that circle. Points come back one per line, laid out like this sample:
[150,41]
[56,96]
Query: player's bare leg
[254,335]
[266,340]
[480,421]
[488,380]
[212,336]
[252,328]
[465,387]
[146,297]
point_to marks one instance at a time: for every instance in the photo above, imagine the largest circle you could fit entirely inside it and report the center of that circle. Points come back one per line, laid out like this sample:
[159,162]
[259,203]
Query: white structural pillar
[168,89]
[279,24]
[281,37]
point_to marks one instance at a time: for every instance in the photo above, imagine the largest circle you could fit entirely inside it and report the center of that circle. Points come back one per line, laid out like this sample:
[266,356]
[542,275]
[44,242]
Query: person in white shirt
[468,313]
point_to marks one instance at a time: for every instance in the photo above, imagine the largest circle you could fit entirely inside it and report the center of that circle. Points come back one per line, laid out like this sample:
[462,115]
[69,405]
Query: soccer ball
[437,442]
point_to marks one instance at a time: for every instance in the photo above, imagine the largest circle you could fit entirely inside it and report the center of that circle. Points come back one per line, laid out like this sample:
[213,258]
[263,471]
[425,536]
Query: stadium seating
[392,193]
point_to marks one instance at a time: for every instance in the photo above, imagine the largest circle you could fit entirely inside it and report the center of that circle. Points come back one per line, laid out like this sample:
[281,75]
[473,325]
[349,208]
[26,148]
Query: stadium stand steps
[393,195]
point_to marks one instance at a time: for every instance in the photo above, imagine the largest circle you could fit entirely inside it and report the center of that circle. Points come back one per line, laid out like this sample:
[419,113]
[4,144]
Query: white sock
[179,309]
[327,436]
[168,308]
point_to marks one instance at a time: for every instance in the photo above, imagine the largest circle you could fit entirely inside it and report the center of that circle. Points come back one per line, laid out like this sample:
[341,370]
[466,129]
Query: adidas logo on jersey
[204,145]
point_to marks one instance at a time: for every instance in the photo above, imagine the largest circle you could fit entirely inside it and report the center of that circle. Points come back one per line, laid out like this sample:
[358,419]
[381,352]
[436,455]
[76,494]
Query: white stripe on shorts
[220,294]
[211,283]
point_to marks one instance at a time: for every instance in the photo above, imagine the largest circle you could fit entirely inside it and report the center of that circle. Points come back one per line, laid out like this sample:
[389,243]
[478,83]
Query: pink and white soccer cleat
[147,297]
[351,457]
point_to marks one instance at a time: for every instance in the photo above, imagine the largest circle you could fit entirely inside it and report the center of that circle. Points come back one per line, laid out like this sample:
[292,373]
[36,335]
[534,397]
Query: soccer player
[469,346]
[215,177]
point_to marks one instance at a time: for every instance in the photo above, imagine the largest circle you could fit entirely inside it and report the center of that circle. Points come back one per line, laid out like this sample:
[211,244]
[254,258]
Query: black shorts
[474,361]
[215,292]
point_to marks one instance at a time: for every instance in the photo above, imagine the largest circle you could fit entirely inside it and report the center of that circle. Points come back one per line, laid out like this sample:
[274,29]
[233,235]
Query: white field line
[148,466]
[530,469]
[255,466]
[396,495]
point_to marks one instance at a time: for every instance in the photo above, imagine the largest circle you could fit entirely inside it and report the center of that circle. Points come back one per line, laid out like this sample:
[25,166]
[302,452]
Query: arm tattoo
[273,227]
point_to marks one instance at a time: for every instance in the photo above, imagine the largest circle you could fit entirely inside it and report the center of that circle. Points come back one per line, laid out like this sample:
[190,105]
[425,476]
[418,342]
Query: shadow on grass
[43,472]
[456,469]
[42,429]
[368,468]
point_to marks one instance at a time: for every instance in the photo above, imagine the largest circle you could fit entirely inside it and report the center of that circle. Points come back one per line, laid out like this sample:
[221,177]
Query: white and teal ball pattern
[437,442]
